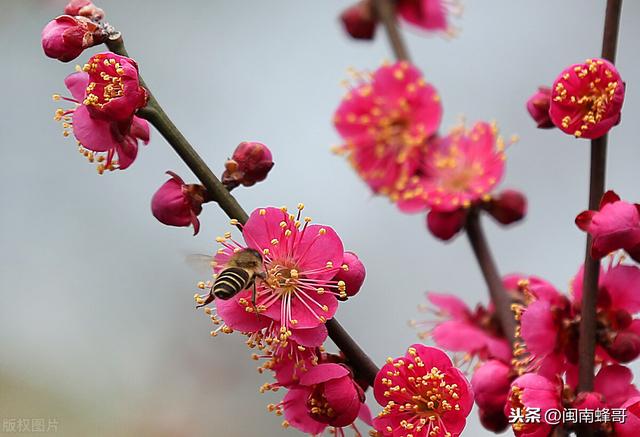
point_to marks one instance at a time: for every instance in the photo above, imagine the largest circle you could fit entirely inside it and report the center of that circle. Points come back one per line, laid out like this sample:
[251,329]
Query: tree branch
[497,292]
[587,343]
[386,12]
[154,113]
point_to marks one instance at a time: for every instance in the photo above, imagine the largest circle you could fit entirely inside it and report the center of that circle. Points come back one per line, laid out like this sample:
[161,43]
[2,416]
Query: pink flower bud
[494,421]
[359,20]
[507,207]
[353,275]
[491,383]
[625,347]
[587,98]
[114,92]
[538,107]
[250,163]
[84,8]
[445,225]
[65,37]
[178,204]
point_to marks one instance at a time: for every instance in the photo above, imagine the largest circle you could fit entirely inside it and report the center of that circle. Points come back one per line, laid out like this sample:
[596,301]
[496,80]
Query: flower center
[106,84]
[283,280]
[318,405]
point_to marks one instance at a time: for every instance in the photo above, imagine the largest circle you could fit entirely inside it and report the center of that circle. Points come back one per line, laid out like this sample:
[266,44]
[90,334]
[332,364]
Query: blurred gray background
[97,325]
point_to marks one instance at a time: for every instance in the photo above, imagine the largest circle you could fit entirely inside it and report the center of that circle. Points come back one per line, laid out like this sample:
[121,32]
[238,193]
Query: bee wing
[201,263]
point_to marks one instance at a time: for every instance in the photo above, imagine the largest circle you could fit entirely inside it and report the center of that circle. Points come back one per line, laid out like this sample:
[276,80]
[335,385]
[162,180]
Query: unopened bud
[178,204]
[352,273]
[625,347]
[494,421]
[507,207]
[538,107]
[359,20]
[65,37]
[250,163]
[445,225]
[84,8]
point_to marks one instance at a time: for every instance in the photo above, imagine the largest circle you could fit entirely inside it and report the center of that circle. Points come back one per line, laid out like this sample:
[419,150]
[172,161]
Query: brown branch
[587,343]
[497,292]
[386,12]
[154,113]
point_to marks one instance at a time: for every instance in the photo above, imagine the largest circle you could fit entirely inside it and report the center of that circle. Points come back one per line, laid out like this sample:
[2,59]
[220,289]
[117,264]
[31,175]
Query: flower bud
[625,347]
[507,207]
[178,204]
[250,163]
[359,20]
[445,225]
[538,107]
[491,383]
[84,8]
[586,99]
[353,275]
[65,37]
[494,421]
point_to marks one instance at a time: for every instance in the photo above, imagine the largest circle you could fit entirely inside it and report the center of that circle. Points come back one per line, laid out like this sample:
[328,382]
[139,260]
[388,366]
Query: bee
[243,268]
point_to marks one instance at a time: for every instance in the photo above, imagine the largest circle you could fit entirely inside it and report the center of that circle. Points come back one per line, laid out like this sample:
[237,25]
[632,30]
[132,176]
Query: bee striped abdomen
[230,282]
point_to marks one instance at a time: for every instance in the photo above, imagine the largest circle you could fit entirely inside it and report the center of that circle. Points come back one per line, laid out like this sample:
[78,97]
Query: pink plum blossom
[300,262]
[113,144]
[422,394]
[618,301]
[587,98]
[250,163]
[538,107]
[616,225]
[614,384]
[630,426]
[360,19]
[460,169]
[386,121]
[113,92]
[65,38]
[533,391]
[178,204]
[428,15]
[546,329]
[327,395]
[477,333]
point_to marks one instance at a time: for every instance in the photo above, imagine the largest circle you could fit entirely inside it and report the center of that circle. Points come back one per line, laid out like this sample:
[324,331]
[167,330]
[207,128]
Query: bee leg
[254,294]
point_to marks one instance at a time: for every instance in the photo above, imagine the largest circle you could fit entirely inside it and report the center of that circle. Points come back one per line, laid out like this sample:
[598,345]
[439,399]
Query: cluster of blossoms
[106,94]
[543,373]
[306,271]
[361,19]
[389,123]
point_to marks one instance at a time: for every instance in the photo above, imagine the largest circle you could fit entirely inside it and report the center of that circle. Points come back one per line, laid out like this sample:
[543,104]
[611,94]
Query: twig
[386,11]
[497,292]
[158,118]
[587,342]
